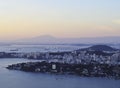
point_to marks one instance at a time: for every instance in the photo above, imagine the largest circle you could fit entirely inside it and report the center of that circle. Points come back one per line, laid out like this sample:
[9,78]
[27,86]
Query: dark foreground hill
[100,48]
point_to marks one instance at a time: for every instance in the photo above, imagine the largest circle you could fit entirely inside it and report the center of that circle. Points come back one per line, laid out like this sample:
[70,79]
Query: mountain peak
[46,37]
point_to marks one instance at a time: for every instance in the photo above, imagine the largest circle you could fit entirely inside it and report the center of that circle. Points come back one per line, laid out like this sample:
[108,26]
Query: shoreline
[82,70]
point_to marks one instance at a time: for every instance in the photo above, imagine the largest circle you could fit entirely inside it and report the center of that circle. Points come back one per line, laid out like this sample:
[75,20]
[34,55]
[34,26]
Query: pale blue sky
[60,18]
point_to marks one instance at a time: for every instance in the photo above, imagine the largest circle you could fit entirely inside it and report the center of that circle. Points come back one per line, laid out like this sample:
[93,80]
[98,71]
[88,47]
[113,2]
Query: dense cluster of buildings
[69,57]
[85,62]
[74,57]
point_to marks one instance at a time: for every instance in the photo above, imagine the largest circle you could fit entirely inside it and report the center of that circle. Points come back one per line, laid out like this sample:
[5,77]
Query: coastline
[84,70]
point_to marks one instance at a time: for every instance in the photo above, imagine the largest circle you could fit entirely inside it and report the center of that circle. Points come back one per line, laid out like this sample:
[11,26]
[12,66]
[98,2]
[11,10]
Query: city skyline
[59,18]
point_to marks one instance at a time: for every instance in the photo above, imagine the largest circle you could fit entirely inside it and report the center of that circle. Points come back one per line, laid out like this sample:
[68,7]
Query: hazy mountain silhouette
[47,39]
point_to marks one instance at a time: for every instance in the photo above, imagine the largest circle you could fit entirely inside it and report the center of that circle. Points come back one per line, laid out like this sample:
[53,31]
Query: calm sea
[19,79]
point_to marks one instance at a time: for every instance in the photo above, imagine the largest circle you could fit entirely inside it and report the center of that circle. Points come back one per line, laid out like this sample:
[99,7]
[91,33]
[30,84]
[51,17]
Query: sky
[60,18]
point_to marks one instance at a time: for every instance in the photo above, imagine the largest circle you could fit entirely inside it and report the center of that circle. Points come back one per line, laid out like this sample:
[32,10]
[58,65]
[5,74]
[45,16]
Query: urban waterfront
[18,79]
[59,44]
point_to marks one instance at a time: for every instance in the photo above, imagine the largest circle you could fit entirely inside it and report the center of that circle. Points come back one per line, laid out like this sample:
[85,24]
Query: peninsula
[95,61]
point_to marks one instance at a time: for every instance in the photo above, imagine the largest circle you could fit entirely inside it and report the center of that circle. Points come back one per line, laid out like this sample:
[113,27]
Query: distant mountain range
[47,39]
